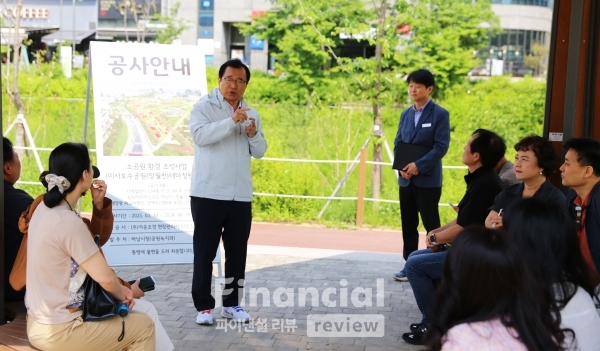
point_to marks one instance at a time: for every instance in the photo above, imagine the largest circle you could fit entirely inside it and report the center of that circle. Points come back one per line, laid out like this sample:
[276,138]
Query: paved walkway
[280,322]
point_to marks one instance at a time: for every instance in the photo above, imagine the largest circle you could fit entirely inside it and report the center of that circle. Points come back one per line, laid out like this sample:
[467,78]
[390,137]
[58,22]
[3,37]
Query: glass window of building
[210,60]
[544,3]
[206,19]
[206,5]
[518,49]
[205,33]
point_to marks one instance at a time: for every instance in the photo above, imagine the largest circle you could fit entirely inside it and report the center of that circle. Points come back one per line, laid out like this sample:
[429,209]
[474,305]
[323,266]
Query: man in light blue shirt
[419,112]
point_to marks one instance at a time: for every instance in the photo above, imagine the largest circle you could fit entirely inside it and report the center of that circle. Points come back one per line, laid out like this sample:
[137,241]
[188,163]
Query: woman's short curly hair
[542,149]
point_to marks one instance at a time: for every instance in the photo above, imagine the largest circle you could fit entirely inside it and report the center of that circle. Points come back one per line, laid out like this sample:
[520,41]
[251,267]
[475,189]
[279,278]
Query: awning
[7,36]
[67,35]
[112,33]
[39,31]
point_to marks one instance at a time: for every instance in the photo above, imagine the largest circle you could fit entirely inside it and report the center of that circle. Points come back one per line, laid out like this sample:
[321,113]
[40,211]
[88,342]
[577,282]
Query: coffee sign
[26,12]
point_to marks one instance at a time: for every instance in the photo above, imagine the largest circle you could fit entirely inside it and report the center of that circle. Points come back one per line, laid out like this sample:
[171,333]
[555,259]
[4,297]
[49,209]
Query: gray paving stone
[241,347]
[314,340]
[198,337]
[275,348]
[317,346]
[173,301]
[288,337]
[179,343]
[259,335]
[288,343]
[209,345]
[260,342]
[341,341]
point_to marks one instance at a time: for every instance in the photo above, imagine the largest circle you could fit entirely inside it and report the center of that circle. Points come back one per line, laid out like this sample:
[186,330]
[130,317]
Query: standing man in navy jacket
[425,124]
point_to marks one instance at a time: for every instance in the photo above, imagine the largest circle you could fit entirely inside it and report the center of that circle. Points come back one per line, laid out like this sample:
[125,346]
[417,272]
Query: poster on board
[143,95]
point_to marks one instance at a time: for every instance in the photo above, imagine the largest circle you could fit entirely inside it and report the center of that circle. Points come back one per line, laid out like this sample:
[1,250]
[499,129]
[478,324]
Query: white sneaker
[235,312]
[205,317]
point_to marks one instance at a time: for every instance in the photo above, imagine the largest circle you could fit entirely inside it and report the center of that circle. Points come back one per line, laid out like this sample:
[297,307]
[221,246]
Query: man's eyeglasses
[238,82]
[578,211]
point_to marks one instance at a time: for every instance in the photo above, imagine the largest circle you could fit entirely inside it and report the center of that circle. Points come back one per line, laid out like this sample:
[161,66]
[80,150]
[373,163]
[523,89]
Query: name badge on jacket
[426,125]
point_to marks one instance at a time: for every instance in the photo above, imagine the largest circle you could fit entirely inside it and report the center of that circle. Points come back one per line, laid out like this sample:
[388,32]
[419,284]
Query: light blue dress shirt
[419,112]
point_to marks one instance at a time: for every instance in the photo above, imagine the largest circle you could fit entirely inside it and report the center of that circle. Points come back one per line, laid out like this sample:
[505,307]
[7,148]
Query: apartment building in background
[519,49]
[526,25]
[211,24]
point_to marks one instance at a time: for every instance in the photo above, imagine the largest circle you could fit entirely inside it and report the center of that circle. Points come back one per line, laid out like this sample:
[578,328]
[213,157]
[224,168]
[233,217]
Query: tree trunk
[20,140]
[125,21]
[137,27]
[136,20]
[147,6]
[377,175]
[15,94]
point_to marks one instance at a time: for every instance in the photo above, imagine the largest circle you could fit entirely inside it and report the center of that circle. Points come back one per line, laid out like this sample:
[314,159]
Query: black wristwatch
[432,238]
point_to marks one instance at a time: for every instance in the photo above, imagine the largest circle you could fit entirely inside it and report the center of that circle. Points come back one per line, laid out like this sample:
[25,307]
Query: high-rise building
[216,32]
[522,45]
[518,50]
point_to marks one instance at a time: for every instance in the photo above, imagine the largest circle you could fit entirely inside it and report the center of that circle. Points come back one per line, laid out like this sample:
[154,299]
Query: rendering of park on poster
[143,95]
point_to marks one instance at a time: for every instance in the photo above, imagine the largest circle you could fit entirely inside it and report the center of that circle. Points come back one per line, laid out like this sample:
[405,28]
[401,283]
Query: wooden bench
[13,335]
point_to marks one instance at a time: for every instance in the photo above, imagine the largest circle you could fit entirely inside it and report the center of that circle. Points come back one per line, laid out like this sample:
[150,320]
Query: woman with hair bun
[60,253]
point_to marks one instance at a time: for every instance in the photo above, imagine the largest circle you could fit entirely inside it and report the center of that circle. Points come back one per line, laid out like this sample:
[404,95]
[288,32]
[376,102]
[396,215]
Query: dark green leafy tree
[440,35]
[300,41]
[444,37]
[172,27]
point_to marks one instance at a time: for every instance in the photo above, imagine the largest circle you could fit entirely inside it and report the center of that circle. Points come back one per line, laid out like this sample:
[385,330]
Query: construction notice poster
[143,95]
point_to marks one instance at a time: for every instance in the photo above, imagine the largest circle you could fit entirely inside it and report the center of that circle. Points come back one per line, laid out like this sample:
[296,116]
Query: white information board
[143,95]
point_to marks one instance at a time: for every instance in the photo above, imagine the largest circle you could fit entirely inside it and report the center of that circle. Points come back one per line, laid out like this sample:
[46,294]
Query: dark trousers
[213,220]
[424,269]
[415,200]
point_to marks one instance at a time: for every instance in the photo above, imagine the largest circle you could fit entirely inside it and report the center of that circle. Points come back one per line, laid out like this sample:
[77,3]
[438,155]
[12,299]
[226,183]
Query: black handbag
[98,304]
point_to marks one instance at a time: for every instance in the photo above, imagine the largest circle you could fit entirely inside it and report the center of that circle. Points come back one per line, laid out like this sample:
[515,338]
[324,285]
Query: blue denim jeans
[423,267]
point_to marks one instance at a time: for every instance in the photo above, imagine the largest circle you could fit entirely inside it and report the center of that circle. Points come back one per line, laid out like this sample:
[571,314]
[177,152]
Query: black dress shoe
[416,337]
[415,326]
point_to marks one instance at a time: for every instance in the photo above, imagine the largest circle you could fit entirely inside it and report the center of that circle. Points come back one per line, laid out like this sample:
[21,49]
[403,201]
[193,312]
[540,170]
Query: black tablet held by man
[407,153]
